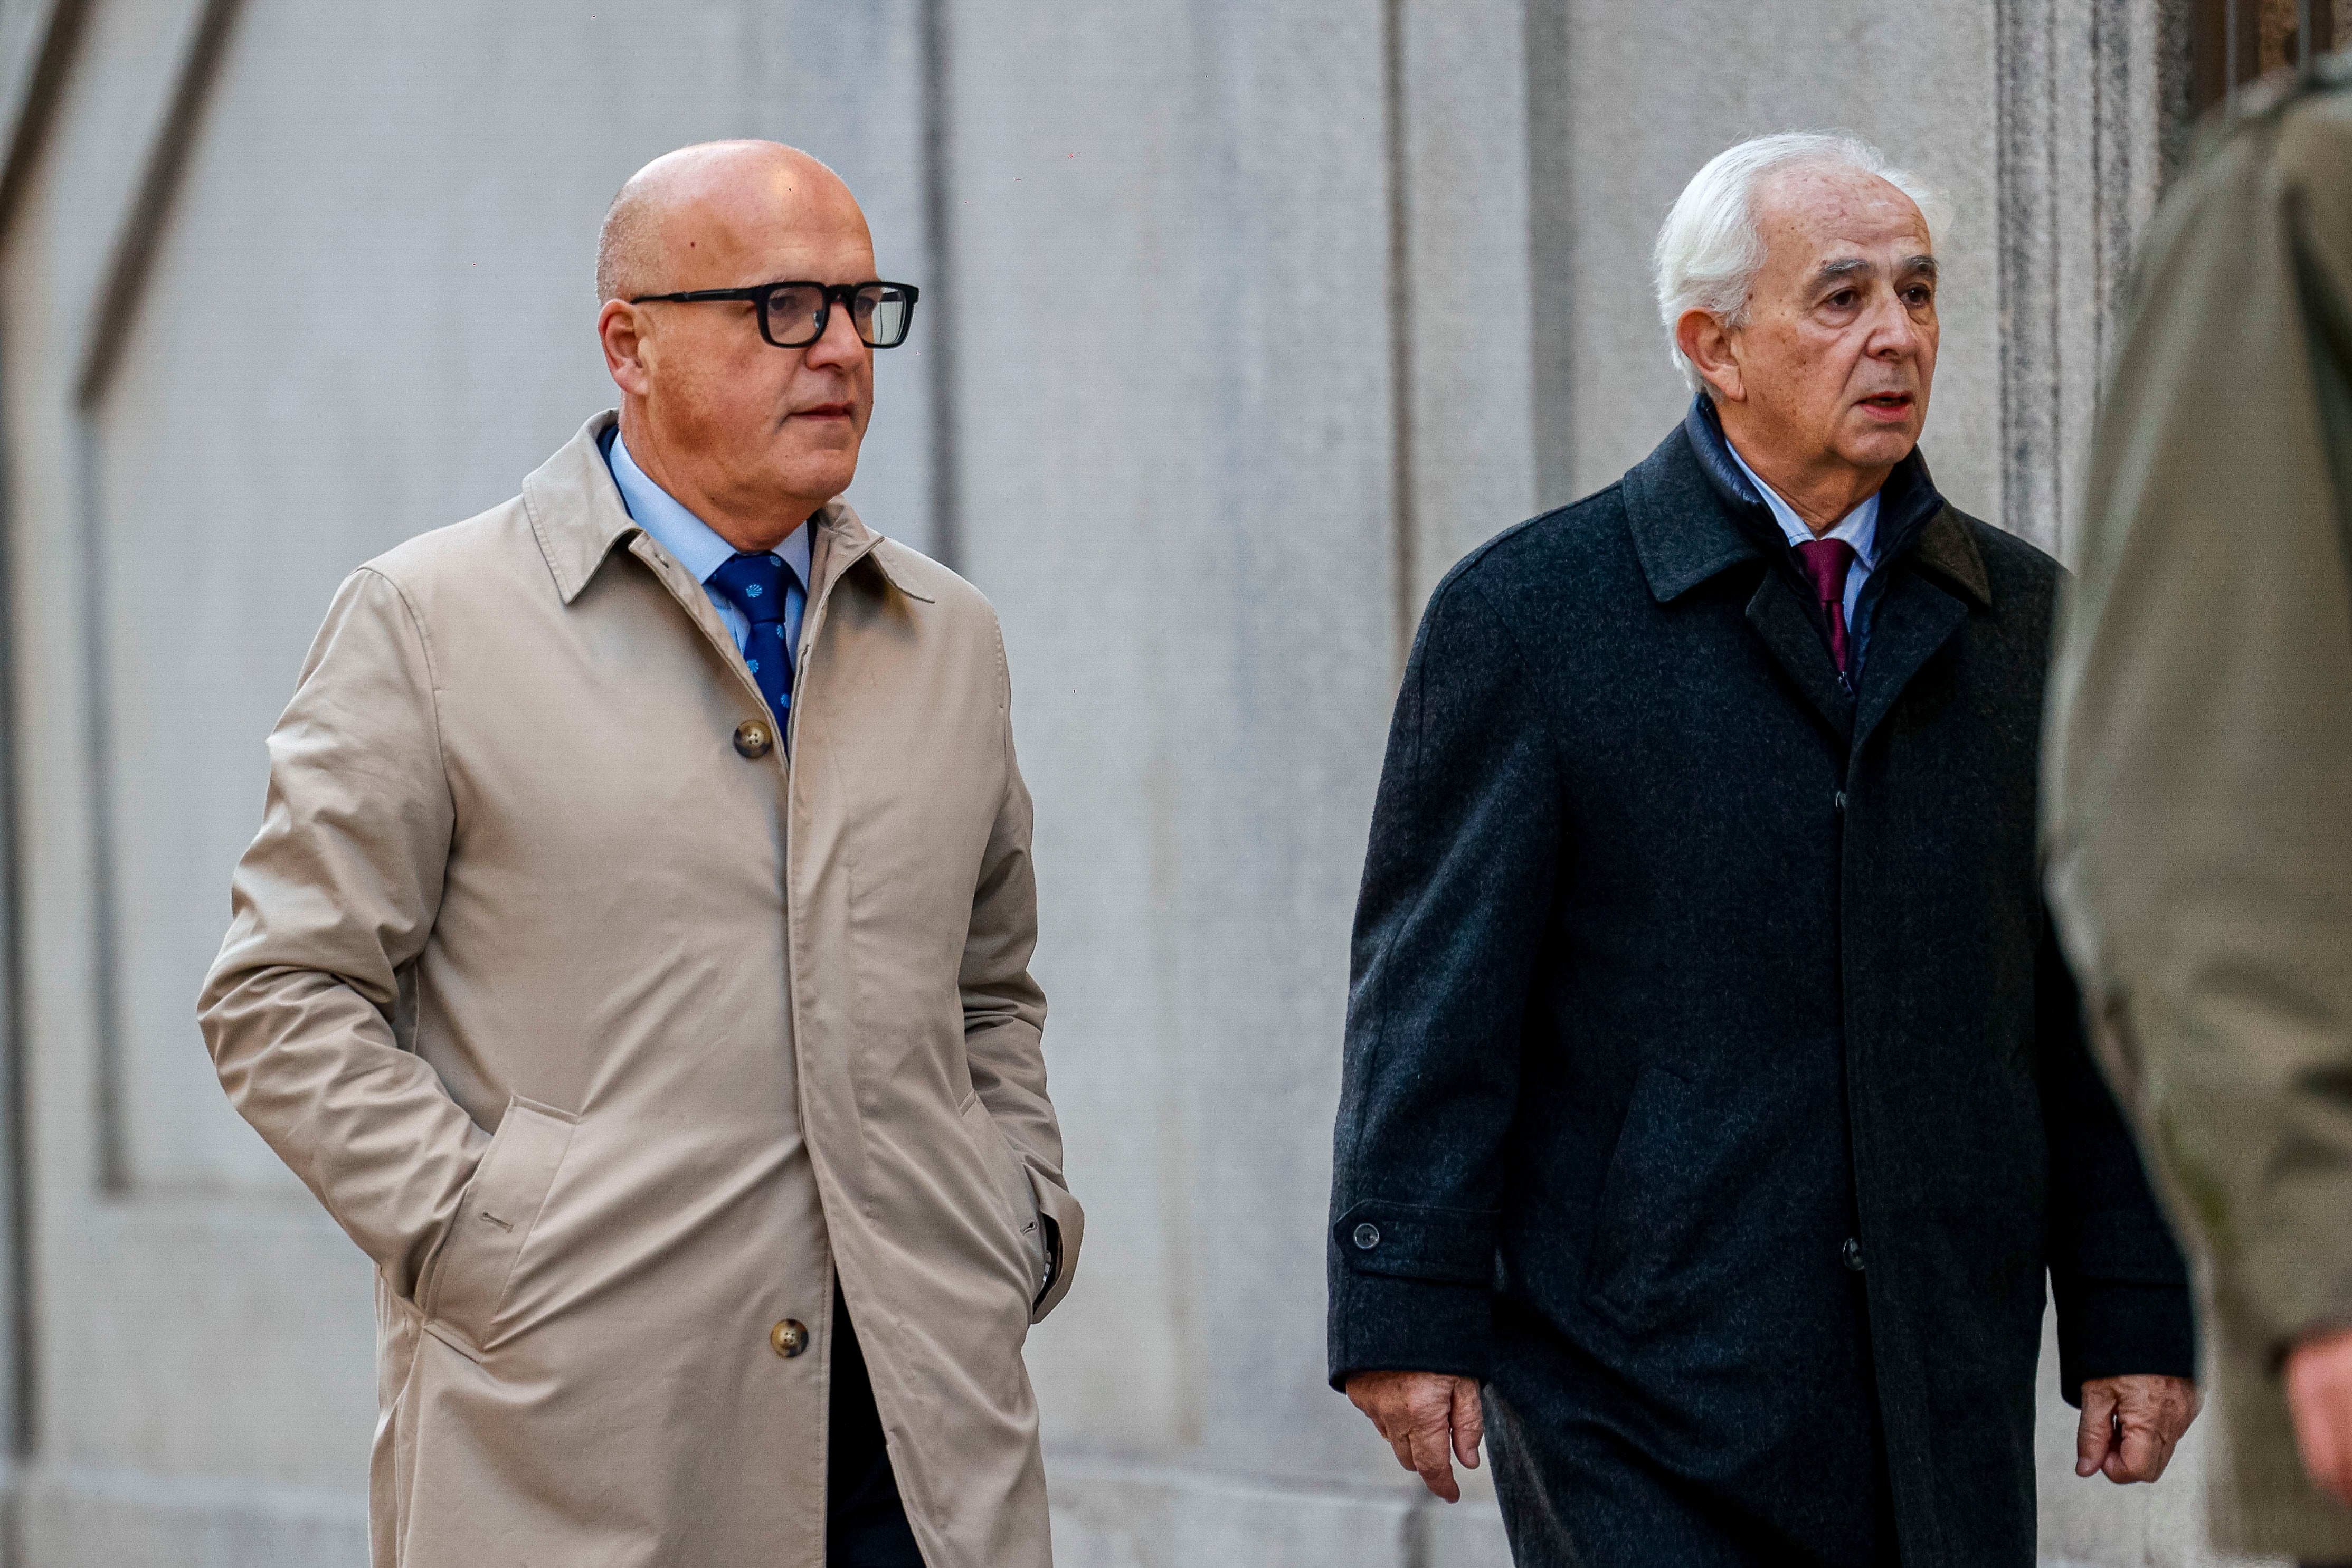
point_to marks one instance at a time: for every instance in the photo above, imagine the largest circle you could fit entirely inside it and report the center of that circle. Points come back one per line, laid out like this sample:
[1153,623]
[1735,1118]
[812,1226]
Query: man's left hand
[2130,1425]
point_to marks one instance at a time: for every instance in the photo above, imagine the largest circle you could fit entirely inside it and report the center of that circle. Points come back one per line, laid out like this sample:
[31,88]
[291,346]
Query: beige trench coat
[611,1044]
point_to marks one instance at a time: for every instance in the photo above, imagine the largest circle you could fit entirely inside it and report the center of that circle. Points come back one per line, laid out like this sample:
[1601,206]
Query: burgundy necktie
[1826,563]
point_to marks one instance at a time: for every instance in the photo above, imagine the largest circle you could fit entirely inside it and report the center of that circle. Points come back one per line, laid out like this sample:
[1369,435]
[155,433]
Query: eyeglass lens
[879,312]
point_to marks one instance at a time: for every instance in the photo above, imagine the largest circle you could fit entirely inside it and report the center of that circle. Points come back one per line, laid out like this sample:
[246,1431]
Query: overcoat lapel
[1926,601]
[1779,619]
[1693,518]
[1680,505]
[1914,620]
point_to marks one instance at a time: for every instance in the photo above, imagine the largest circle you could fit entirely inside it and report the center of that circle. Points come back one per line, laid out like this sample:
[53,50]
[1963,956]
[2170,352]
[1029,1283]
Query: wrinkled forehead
[1806,212]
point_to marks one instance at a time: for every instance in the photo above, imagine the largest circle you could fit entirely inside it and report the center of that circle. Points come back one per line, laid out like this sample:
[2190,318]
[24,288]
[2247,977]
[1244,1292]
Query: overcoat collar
[1694,516]
[1687,522]
[578,516]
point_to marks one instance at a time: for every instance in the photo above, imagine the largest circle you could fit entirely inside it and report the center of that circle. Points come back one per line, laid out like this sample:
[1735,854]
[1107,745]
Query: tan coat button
[753,738]
[788,1338]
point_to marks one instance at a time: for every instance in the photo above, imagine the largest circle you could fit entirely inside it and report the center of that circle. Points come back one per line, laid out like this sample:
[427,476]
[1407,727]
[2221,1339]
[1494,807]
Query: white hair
[1710,250]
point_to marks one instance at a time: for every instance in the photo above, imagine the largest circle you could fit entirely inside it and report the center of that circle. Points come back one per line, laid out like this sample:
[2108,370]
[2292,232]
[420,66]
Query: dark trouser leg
[864,1524]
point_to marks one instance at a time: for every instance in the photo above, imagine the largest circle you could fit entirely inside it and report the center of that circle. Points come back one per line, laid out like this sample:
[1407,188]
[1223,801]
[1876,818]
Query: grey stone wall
[1243,319]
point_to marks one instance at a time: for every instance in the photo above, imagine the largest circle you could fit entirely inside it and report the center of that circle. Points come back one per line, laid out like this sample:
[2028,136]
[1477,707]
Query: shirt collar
[694,544]
[1858,528]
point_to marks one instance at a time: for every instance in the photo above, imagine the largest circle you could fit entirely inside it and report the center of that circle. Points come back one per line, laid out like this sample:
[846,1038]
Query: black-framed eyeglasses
[792,315]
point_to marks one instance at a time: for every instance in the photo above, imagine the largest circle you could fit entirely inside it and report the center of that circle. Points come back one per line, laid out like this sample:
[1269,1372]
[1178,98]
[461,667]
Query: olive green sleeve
[2199,765]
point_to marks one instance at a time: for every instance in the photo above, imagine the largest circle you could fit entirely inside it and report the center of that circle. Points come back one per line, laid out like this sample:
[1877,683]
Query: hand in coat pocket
[466,1280]
[1020,1203]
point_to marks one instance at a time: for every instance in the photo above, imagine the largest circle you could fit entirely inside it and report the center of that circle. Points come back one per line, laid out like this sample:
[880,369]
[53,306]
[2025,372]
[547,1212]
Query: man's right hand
[2319,1394]
[1430,1418]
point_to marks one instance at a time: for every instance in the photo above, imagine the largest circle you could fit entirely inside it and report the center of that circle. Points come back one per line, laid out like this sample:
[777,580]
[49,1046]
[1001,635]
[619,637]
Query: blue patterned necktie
[757,585]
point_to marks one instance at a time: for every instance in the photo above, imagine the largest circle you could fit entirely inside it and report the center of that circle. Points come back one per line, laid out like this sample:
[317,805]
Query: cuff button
[1368,1236]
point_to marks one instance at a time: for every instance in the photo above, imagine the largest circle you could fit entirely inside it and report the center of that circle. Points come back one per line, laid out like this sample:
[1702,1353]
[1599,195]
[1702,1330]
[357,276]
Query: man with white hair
[1717,1107]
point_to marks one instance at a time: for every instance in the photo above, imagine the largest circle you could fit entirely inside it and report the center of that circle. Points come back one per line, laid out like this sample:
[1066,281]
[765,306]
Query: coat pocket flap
[1417,1243]
[500,1205]
[1012,1187]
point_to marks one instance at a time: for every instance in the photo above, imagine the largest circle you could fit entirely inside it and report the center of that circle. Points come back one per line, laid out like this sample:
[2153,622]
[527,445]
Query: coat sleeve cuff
[1388,1323]
[1411,1290]
[2116,1329]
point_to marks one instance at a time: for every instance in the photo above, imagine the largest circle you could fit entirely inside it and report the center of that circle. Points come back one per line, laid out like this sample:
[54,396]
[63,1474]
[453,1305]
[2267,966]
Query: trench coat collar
[577,514]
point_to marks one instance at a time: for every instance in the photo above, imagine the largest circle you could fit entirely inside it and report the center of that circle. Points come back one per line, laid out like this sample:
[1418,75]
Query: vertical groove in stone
[939,287]
[112,311]
[1551,171]
[1404,545]
[2174,52]
[2127,137]
[2081,150]
[2230,53]
[2026,153]
[16,1437]
[2050,375]
[60,31]
[106,1089]
[143,228]
[2109,163]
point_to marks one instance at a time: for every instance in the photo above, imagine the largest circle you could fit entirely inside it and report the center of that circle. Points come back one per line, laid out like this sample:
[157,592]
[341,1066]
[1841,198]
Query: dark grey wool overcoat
[1714,1089]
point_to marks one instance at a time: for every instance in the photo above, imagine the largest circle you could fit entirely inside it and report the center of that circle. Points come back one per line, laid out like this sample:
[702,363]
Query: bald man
[634,960]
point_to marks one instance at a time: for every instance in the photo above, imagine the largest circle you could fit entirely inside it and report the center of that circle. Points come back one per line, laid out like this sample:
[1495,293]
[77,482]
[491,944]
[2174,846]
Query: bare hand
[1430,1418]
[2319,1396]
[2131,1423]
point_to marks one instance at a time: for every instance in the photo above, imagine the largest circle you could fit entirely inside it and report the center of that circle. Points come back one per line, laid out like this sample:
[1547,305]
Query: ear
[1706,344]
[625,332]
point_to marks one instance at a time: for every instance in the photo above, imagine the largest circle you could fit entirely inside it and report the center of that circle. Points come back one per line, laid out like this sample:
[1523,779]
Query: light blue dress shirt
[1858,528]
[700,550]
